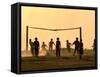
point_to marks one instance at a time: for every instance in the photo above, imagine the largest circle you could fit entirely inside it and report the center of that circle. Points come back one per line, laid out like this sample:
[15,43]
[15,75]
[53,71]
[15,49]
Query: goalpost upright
[27,30]
[26,38]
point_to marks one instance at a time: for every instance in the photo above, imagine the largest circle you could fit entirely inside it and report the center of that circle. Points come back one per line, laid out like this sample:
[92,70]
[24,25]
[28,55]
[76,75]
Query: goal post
[27,32]
[26,38]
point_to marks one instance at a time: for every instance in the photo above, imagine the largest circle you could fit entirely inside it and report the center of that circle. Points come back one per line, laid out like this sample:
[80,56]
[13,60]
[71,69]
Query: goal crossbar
[54,29]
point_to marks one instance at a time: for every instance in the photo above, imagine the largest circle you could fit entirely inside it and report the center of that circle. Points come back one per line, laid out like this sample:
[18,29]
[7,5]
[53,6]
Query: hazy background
[58,18]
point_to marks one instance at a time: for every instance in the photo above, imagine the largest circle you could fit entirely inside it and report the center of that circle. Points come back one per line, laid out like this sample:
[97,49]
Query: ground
[67,60]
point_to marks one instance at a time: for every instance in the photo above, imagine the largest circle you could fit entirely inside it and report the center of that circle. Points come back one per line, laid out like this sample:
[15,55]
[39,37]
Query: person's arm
[39,45]
[60,44]
[46,46]
[54,43]
[69,43]
[73,43]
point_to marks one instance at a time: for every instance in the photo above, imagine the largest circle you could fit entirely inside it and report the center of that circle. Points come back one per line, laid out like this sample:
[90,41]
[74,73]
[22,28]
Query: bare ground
[67,60]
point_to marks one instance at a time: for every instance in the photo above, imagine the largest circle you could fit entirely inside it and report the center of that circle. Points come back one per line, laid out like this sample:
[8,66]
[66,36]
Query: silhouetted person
[94,45]
[58,47]
[36,47]
[76,43]
[68,44]
[81,51]
[44,49]
[31,46]
[51,45]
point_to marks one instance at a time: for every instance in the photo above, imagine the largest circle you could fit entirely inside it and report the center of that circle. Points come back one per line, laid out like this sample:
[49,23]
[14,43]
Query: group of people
[78,47]
[35,46]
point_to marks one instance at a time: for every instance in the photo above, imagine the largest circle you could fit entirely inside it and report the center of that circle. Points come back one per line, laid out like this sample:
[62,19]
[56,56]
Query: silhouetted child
[51,45]
[68,44]
[76,43]
[81,49]
[43,49]
[31,46]
[36,47]
[58,47]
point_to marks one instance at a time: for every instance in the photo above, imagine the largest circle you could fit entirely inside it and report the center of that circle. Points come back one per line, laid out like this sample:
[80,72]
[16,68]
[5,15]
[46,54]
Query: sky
[56,18]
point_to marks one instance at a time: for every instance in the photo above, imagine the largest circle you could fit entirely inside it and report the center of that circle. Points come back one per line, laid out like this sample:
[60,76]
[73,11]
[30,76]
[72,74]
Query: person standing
[94,45]
[36,47]
[58,47]
[51,45]
[31,46]
[44,51]
[81,49]
[76,43]
[68,44]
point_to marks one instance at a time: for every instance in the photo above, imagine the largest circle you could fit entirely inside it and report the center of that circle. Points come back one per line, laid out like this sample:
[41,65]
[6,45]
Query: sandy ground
[67,60]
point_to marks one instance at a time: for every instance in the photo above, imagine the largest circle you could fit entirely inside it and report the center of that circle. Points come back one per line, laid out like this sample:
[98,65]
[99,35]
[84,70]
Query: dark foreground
[52,62]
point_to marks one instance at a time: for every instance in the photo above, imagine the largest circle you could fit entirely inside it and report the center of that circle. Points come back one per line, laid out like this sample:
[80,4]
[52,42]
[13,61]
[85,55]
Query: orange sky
[58,18]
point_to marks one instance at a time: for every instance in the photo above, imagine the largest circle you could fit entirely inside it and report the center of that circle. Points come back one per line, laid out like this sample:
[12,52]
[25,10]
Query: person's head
[76,38]
[43,42]
[35,38]
[57,38]
[51,39]
[30,40]
[80,40]
[67,41]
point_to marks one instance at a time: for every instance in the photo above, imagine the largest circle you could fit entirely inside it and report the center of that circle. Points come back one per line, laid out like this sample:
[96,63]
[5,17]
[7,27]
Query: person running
[58,47]
[36,47]
[76,43]
[31,46]
[51,43]
[44,51]
[68,44]
[81,51]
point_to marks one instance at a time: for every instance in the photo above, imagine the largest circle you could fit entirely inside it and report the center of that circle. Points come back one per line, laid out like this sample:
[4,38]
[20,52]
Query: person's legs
[37,52]
[80,53]
[49,48]
[68,48]
[80,56]
[59,53]
[74,51]
[56,53]
[32,52]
